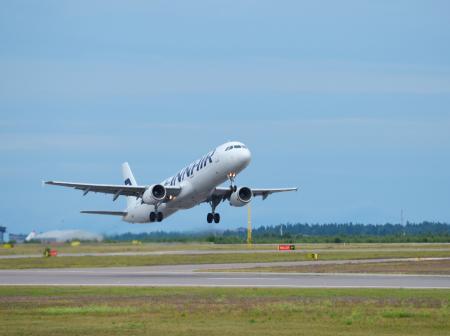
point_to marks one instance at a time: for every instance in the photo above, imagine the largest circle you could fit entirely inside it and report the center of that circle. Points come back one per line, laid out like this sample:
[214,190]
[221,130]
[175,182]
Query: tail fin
[31,236]
[129,180]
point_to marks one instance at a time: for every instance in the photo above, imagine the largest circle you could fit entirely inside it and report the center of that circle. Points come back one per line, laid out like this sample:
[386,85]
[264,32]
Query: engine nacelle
[154,194]
[241,197]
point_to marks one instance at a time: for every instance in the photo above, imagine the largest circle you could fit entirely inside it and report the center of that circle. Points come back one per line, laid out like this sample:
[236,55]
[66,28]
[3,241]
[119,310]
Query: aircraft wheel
[152,216]
[159,216]
[216,218]
[209,218]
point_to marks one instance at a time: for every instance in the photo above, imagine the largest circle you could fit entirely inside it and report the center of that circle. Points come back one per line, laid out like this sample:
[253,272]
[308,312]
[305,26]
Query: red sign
[286,247]
[53,253]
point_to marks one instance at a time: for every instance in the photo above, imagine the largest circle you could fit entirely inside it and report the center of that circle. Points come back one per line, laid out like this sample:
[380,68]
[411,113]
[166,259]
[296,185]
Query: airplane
[197,183]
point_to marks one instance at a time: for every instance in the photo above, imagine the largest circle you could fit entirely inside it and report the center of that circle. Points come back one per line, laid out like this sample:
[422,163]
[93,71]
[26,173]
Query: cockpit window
[228,148]
[237,146]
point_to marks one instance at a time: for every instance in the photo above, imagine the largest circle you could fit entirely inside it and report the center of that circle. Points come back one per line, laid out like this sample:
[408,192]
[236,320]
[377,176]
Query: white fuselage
[197,181]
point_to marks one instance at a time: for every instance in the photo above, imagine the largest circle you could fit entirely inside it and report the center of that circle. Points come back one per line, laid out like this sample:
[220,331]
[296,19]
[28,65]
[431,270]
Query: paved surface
[197,252]
[188,275]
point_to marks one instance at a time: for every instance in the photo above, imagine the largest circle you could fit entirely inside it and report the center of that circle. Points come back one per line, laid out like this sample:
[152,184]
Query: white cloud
[45,142]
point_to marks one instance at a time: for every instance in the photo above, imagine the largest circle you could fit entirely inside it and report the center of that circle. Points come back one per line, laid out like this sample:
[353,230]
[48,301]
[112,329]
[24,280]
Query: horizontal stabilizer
[111,213]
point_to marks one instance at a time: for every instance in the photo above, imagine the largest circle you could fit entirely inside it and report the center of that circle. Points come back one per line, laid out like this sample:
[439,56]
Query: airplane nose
[246,157]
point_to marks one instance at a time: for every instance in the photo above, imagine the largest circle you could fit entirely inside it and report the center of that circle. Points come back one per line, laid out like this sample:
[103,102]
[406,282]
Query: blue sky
[349,100]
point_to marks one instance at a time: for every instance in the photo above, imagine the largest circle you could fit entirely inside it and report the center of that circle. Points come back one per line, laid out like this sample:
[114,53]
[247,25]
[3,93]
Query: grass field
[440,267]
[122,261]
[327,252]
[221,311]
[125,247]
[148,247]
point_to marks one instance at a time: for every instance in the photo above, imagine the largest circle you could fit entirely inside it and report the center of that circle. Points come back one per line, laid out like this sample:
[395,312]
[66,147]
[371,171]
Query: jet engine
[154,194]
[241,197]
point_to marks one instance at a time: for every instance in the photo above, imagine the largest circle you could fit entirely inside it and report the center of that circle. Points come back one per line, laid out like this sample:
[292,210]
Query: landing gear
[213,217]
[156,215]
[232,177]
[215,201]
[152,216]
[159,216]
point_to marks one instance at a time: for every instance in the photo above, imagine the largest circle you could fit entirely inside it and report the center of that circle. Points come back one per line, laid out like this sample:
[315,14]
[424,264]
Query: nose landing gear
[231,176]
[214,202]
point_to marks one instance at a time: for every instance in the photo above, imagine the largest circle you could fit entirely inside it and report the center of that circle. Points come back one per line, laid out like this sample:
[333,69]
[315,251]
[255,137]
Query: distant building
[2,232]
[63,236]
[17,237]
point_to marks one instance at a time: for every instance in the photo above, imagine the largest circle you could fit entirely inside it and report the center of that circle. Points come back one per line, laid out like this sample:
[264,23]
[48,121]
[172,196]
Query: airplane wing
[99,212]
[114,189]
[225,192]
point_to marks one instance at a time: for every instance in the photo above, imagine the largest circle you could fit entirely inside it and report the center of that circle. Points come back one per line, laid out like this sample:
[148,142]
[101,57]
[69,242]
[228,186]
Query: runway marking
[251,278]
[340,274]
[200,273]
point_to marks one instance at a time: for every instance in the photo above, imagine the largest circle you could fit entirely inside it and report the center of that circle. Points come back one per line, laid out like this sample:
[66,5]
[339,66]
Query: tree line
[306,233]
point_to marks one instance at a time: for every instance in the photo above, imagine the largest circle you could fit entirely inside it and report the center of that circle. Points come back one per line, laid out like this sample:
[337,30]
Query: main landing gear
[213,215]
[156,215]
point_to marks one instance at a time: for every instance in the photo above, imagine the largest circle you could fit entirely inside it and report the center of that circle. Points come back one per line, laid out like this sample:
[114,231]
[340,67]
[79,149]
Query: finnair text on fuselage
[189,170]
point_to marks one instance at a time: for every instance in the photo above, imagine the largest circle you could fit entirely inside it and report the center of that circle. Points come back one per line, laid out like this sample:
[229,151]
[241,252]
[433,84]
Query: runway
[195,275]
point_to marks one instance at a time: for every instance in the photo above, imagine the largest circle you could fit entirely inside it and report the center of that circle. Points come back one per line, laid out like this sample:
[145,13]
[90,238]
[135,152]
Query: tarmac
[204,276]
